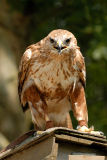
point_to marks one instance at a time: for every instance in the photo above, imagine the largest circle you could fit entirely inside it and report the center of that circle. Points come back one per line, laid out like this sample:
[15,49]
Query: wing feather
[24,69]
[81,68]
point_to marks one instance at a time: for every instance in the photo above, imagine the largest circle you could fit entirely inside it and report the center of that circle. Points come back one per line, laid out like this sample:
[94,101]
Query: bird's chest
[54,78]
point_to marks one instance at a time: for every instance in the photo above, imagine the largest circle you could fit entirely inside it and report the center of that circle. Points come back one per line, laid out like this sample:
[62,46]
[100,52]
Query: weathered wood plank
[37,151]
[63,137]
[67,148]
[54,152]
[79,140]
[81,134]
[86,157]
[73,139]
[24,145]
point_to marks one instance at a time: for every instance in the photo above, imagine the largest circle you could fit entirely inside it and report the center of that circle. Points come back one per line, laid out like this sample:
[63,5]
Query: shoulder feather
[81,67]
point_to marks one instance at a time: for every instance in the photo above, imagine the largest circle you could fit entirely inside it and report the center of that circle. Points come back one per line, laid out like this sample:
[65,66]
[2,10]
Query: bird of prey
[52,78]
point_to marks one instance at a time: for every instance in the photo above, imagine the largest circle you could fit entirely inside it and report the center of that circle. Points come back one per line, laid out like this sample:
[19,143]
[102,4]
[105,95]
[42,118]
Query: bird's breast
[54,79]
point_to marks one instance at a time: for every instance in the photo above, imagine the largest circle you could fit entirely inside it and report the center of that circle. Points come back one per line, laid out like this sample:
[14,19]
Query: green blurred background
[24,22]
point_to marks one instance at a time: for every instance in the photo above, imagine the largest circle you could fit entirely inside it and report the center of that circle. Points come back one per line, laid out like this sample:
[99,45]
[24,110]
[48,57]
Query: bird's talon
[39,132]
[98,133]
[89,130]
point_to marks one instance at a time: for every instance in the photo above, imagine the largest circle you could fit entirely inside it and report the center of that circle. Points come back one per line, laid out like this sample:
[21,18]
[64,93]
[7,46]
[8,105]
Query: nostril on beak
[59,48]
[62,47]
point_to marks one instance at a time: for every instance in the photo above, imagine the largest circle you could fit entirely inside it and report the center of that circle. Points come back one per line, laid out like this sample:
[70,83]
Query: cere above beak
[60,48]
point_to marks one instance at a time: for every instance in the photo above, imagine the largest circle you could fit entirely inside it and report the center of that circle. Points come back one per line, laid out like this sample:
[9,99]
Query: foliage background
[24,22]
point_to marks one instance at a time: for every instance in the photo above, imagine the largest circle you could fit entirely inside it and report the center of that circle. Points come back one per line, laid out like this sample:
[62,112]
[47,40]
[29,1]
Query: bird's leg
[79,109]
[79,106]
[69,122]
[49,124]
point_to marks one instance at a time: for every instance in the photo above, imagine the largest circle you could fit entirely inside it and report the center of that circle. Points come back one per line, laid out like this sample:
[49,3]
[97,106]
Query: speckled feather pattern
[50,82]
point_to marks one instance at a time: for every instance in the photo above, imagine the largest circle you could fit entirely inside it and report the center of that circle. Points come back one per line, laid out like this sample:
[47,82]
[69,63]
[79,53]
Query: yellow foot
[89,130]
[39,132]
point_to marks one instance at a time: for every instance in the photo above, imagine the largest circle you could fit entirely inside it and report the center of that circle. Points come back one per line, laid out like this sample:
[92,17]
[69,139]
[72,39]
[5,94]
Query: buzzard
[52,78]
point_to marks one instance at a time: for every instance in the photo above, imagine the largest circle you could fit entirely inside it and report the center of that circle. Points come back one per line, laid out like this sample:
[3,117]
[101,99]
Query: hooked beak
[60,47]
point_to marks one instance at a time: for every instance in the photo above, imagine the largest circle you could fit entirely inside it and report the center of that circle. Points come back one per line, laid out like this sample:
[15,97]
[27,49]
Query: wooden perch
[56,143]
[3,141]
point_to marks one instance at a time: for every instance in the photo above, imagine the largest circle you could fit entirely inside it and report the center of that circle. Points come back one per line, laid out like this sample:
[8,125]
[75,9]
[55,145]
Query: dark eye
[52,40]
[68,40]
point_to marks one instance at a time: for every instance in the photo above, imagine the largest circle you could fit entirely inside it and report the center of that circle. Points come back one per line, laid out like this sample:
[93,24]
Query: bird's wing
[81,67]
[24,70]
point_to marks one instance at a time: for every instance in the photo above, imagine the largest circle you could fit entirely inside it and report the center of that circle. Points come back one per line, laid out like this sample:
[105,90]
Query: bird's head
[61,41]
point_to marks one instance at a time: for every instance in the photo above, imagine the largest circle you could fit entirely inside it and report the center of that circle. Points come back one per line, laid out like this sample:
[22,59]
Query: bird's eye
[52,40]
[68,40]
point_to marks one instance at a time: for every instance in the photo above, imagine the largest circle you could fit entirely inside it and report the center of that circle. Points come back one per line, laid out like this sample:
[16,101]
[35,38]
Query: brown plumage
[52,80]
